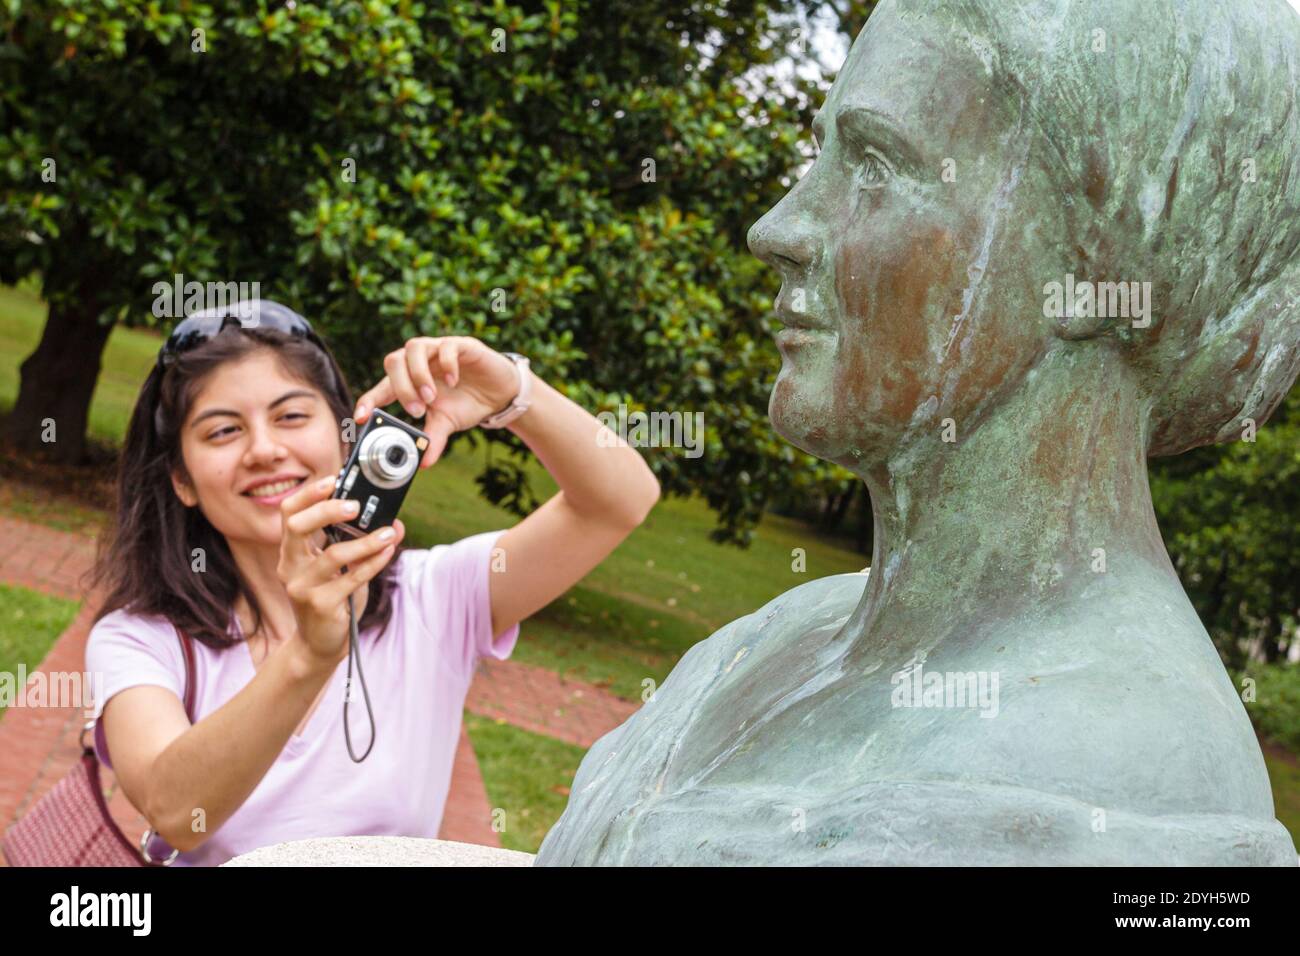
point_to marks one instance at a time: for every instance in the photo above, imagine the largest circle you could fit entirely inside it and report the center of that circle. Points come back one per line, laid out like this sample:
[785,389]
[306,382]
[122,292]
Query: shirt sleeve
[452,587]
[126,650]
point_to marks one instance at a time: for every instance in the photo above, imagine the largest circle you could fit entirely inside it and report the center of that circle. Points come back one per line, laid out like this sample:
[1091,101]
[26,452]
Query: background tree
[569,180]
[1228,514]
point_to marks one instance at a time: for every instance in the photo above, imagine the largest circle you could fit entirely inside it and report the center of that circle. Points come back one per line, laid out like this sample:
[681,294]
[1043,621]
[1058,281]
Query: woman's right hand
[312,574]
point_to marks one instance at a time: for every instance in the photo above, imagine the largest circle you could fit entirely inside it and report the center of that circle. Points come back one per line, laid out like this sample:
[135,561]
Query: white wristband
[520,404]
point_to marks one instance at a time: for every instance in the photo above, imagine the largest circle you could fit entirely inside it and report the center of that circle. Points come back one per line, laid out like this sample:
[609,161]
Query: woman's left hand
[454,382]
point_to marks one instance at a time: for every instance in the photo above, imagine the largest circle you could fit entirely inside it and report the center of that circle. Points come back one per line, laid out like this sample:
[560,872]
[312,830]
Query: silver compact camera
[379,471]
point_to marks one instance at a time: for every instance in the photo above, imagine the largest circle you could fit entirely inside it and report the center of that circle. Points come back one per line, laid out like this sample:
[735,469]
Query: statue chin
[800,421]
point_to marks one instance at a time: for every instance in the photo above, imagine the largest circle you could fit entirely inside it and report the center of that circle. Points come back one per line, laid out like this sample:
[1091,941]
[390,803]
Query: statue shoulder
[828,596]
[813,604]
[632,762]
[816,604]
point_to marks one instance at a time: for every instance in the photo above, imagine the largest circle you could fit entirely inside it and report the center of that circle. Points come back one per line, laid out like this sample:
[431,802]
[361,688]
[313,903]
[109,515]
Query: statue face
[912,255]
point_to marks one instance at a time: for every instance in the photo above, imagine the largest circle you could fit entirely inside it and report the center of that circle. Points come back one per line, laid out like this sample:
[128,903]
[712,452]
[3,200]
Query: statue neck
[1044,491]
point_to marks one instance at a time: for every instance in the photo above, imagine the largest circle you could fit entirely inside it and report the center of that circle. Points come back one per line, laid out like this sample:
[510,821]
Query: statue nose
[782,244]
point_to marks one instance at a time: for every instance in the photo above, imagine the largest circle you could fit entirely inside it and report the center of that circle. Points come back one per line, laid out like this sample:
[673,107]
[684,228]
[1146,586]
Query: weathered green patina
[977,158]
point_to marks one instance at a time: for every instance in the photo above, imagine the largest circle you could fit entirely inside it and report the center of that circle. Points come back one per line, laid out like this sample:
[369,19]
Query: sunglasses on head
[198,328]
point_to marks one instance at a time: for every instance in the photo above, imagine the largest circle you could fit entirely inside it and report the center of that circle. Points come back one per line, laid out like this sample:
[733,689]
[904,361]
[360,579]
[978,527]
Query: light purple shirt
[417,671]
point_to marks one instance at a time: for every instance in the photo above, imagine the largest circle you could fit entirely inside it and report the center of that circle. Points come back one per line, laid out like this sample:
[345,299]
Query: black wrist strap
[353,654]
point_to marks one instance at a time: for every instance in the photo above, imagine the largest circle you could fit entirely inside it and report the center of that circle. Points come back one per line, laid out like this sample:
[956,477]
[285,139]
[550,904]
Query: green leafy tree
[1228,514]
[571,180]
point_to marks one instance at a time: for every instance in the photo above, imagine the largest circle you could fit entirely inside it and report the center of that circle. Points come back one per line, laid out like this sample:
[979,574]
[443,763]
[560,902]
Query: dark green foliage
[476,170]
[1228,514]
[1275,709]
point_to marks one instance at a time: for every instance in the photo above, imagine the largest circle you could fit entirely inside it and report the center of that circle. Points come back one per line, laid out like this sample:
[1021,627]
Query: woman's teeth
[269,491]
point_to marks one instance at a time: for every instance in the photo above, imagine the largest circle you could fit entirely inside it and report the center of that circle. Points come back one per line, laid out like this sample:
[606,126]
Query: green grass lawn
[30,622]
[1285,778]
[665,588]
[524,805]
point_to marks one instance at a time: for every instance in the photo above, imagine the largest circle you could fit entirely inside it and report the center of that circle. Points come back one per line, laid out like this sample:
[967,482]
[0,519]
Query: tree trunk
[841,506]
[866,530]
[58,380]
[1273,649]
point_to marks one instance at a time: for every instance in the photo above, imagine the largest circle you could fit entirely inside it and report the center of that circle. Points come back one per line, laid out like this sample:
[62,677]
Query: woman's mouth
[273,492]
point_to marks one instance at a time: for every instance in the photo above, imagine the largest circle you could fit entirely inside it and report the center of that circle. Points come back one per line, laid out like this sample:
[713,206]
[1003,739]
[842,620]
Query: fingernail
[450,381]
[325,483]
[351,507]
[426,393]
[416,409]
[386,534]
[360,412]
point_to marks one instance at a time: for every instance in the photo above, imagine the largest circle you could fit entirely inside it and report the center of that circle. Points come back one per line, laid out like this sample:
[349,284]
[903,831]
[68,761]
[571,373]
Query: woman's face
[253,434]
[910,294]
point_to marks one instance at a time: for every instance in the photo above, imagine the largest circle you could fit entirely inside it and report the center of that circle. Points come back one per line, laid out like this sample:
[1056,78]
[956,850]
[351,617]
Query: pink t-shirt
[418,672]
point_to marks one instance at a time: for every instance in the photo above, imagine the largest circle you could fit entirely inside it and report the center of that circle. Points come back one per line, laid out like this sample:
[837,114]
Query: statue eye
[875,171]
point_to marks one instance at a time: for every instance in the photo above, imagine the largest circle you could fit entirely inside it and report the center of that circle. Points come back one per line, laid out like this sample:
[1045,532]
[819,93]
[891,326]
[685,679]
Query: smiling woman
[228,419]
[211,445]
[224,498]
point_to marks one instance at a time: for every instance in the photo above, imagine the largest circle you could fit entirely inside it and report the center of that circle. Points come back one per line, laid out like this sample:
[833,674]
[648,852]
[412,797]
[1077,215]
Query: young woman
[224,496]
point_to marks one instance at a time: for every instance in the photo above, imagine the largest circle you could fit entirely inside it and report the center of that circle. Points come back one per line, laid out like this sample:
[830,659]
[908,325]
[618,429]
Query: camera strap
[353,654]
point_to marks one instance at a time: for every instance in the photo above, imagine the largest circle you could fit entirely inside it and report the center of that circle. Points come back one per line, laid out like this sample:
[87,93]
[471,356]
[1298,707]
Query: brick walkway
[39,745]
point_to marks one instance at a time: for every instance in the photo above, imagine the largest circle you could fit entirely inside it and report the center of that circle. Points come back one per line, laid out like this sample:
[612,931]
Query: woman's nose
[262,446]
[784,238]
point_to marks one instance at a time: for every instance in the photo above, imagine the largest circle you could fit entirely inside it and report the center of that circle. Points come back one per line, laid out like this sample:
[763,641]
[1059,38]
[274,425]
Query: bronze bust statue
[1042,241]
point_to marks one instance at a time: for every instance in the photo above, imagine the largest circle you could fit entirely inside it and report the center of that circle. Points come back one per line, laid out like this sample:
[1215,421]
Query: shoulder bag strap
[187,647]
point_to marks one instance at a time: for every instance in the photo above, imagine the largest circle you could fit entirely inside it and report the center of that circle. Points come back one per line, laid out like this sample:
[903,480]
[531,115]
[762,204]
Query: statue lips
[800,330]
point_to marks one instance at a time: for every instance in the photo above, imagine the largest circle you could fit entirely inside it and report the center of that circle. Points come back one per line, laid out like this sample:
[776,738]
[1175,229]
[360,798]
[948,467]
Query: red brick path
[541,701]
[39,745]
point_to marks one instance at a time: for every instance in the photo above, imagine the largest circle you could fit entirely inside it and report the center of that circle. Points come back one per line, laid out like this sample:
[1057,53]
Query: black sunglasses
[251,314]
[196,329]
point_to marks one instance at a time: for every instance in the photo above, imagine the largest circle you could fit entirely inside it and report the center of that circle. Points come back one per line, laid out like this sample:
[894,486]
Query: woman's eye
[223,432]
[293,417]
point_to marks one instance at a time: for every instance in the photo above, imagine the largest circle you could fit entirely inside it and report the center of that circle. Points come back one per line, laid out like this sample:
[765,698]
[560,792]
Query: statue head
[975,154]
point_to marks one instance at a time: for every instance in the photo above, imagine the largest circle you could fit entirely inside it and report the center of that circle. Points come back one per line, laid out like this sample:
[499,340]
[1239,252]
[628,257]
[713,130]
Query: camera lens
[387,457]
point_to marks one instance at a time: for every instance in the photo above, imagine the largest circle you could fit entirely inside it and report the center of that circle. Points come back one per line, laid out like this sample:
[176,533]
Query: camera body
[379,471]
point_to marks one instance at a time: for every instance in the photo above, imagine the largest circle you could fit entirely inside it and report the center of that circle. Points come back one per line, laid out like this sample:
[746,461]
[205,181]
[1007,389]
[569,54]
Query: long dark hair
[146,561]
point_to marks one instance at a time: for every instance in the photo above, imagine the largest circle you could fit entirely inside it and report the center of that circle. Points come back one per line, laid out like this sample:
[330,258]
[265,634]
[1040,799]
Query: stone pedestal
[380,851]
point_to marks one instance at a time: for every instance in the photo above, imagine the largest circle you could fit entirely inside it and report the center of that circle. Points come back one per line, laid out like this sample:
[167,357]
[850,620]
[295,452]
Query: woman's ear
[184,490]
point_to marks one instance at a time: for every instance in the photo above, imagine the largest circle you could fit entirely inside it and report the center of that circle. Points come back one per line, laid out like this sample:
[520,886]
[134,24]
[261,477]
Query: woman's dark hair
[146,561]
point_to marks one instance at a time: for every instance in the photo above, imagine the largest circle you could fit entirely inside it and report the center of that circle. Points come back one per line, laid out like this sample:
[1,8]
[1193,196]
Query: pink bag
[71,825]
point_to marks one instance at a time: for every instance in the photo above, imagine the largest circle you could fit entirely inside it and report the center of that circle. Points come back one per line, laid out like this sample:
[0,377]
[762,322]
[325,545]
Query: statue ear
[184,490]
[1079,327]
[1073,309]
